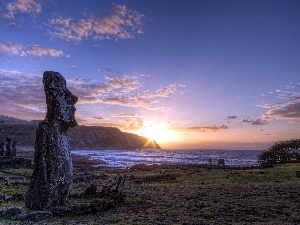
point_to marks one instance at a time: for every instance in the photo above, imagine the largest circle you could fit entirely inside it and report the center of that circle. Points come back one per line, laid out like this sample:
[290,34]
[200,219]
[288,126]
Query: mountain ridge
[81,137]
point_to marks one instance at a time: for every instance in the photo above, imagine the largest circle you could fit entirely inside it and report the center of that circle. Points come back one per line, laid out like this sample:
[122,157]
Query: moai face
[60,101]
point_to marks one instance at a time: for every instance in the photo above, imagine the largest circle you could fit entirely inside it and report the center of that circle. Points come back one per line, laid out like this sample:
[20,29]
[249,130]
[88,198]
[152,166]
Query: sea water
[127,158]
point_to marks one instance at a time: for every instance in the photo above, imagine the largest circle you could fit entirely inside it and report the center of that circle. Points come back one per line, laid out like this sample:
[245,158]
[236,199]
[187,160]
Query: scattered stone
[95,205]
[13,211]
[16,163]
[53,171]
[131,177]
[39,215]
[16,197]
[17,177]
[88,175]
[103,176]
[2,198]
[22,216]
[162,172]
[61,211]
[91,190]
[2,212]
[106,190]
[120,181]
[156,178]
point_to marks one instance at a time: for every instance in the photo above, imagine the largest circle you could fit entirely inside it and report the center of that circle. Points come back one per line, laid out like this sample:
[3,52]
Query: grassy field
[181,195]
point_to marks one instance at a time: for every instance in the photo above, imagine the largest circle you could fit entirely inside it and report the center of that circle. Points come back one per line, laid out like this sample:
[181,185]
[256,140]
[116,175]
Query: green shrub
[281,152]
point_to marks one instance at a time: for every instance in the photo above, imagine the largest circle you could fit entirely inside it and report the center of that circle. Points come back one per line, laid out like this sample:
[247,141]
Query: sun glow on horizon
[158,132]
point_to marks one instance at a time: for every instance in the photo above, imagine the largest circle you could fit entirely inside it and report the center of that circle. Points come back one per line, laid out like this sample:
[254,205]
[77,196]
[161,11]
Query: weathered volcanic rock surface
[81,137]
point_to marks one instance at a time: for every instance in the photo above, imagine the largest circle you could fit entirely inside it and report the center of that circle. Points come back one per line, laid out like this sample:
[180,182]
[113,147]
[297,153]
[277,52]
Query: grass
[196,196]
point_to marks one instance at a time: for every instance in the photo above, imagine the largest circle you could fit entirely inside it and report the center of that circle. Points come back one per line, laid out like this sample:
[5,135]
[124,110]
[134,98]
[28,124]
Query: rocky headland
[81,137]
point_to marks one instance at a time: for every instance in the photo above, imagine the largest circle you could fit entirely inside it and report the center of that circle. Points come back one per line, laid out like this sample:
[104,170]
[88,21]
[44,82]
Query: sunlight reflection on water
[127,158]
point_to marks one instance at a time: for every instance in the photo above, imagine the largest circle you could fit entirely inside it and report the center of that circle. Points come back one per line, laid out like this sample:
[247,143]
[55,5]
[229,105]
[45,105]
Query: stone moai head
[60,101]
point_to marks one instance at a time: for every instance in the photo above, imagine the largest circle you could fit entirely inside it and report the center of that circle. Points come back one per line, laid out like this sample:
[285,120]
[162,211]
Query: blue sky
[189,74]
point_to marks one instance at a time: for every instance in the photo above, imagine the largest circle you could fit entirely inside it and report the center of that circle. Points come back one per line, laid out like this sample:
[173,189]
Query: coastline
[163,158]
[163,194]
[172,194]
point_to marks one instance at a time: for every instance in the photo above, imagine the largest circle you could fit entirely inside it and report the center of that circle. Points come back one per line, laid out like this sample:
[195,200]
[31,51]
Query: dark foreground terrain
[173,195]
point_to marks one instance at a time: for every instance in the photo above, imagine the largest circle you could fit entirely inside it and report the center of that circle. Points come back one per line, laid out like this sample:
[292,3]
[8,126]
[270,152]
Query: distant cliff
[137,141]
[81,137]
[92,137]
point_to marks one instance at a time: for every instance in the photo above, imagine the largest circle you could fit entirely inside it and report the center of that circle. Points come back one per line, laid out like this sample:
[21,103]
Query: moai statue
[53,171]
[13,149]
[221,162]
[1,148]
[7,147]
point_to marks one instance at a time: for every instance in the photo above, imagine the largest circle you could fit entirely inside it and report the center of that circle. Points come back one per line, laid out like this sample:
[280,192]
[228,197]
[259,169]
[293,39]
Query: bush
[281,152]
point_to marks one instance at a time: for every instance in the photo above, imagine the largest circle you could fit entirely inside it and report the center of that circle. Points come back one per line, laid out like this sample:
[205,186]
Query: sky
[188,74]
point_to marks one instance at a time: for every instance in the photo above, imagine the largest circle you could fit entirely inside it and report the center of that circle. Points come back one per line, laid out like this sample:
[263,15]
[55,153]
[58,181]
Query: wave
[127,158]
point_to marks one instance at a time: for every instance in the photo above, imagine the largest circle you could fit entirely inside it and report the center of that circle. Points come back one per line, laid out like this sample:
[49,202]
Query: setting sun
[158,132]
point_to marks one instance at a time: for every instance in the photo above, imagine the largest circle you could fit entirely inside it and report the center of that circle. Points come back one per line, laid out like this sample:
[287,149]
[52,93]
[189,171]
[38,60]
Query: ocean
[127,158]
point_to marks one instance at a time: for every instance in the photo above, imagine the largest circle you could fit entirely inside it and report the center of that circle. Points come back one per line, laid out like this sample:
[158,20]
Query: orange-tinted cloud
[34,50]
[23,6]
[121,23]
[212,128]
[288,110]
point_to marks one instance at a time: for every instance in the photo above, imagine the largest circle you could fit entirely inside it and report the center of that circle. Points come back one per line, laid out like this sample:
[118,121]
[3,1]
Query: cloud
[288,110]
[22,94]
[99,118]
[231,117]
[95,92]
[12,48]
[213,128]
[42,51]
[255,122]
[125,82]
[121,23]
[35,50]
[167,91]
[121,100]
[23,6]
[125,115]
[259,122]
[119,91]
[293,122]
[88,123]
[134,100]
[247,120]
[266,106]
[135,126]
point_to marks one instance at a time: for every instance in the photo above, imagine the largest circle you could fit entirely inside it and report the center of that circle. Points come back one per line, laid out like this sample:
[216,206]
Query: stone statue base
[53,170]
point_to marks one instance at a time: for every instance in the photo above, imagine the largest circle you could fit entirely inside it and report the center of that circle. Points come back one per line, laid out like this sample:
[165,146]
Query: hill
[81,137]
[12,120]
